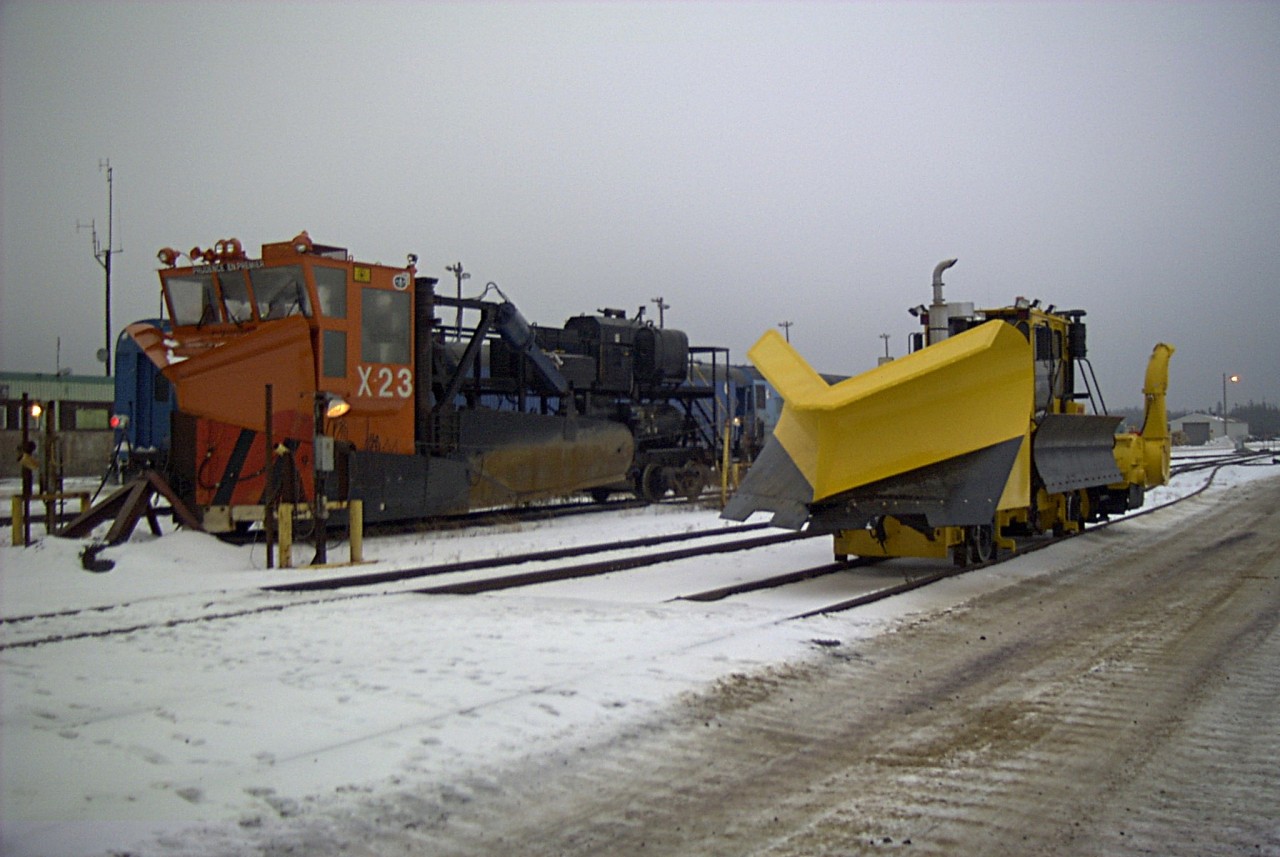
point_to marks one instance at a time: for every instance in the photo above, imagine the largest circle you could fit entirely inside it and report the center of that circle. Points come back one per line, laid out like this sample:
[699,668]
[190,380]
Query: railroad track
[1040,543]
[508,581]
[632,554]
[18,632]
[1191,464]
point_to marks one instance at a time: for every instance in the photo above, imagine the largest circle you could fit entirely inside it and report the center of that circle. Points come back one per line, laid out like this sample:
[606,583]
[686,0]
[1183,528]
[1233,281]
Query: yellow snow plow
[977,435]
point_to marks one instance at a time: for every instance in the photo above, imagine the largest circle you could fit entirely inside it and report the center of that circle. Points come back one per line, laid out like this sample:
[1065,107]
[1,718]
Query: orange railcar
[346,352]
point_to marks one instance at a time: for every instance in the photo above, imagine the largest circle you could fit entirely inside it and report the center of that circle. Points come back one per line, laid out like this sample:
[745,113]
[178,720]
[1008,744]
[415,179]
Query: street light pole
[786,328]
[459,275]
[1226,427]
[662,307]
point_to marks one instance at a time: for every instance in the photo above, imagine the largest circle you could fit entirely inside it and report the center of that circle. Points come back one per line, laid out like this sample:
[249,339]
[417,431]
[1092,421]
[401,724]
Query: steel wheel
[982,543]
[653,483]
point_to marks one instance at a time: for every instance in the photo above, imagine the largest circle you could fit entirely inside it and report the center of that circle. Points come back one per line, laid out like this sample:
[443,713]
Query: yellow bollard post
[16,507]
[284,534]
[355,523]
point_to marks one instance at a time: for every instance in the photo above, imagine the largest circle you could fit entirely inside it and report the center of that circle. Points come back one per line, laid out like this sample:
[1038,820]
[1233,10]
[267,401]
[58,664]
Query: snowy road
[594,715]
[1123,705]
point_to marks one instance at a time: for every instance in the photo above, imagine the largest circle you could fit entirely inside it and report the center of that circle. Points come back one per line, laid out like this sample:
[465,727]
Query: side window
[235,296]
[331,291]
[1044,343]
[192,300]
[335,354]
[384,326]
[280,292]
[84,416]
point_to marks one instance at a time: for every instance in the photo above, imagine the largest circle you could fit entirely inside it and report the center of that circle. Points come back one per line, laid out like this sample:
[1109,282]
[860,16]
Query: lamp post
[786,328]
[663,306]
[459,275]
[1234,379]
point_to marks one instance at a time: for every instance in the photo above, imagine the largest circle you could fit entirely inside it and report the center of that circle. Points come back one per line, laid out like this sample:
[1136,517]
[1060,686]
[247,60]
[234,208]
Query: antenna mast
[104,259]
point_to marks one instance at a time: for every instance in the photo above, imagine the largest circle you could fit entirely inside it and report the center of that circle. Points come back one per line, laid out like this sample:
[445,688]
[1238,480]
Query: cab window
[235,296]
[1044,344]
[335,353]
[192,300]
[384,326]
[280,292]
[331,291]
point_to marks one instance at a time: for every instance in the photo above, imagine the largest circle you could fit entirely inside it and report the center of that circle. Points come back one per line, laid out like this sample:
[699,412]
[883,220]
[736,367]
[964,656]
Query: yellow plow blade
[961,395]
[934,413]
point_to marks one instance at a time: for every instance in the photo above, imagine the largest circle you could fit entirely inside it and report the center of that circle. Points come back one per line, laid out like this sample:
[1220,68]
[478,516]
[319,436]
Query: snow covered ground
[188,733]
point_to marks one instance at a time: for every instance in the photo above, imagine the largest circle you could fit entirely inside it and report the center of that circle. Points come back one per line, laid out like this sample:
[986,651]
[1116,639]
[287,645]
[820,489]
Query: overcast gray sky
[749,163]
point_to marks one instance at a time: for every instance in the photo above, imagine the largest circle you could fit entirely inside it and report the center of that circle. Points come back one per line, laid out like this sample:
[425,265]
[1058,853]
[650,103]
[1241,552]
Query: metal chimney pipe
[939,318]
[937,279]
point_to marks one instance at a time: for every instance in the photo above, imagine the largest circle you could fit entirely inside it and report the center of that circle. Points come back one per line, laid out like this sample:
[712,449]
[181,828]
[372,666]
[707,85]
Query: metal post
[662,307]
[48,486]
[104,259]
[355,523]
[460,275]
[107,266]
[321,501]
[1226,426]
[724,469]
[24,454]
[15,517]
[286,535]
[269,513]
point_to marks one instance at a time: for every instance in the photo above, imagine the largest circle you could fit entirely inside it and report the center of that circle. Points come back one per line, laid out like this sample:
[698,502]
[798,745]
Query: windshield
[192,299]
[235,296]
[280,292]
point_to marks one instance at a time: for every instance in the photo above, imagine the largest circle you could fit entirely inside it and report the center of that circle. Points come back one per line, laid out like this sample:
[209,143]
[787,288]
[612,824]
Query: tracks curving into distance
[1212,464]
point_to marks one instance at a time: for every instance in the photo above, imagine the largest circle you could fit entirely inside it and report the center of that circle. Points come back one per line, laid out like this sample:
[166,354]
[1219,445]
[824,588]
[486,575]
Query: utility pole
[456,270]
[786,328]
[103,255]
[662,306]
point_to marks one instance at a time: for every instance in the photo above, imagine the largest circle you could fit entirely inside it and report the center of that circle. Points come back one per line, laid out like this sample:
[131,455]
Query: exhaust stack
[939,313]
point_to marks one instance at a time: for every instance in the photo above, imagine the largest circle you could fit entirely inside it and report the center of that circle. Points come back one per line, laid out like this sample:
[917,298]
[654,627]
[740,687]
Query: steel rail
[591,569]
[603,567]
[486,584]
[548,555]
[779,580]
[907,586]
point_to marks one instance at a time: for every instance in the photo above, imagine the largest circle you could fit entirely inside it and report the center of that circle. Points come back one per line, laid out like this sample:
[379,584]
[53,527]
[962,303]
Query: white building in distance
[1206,428]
